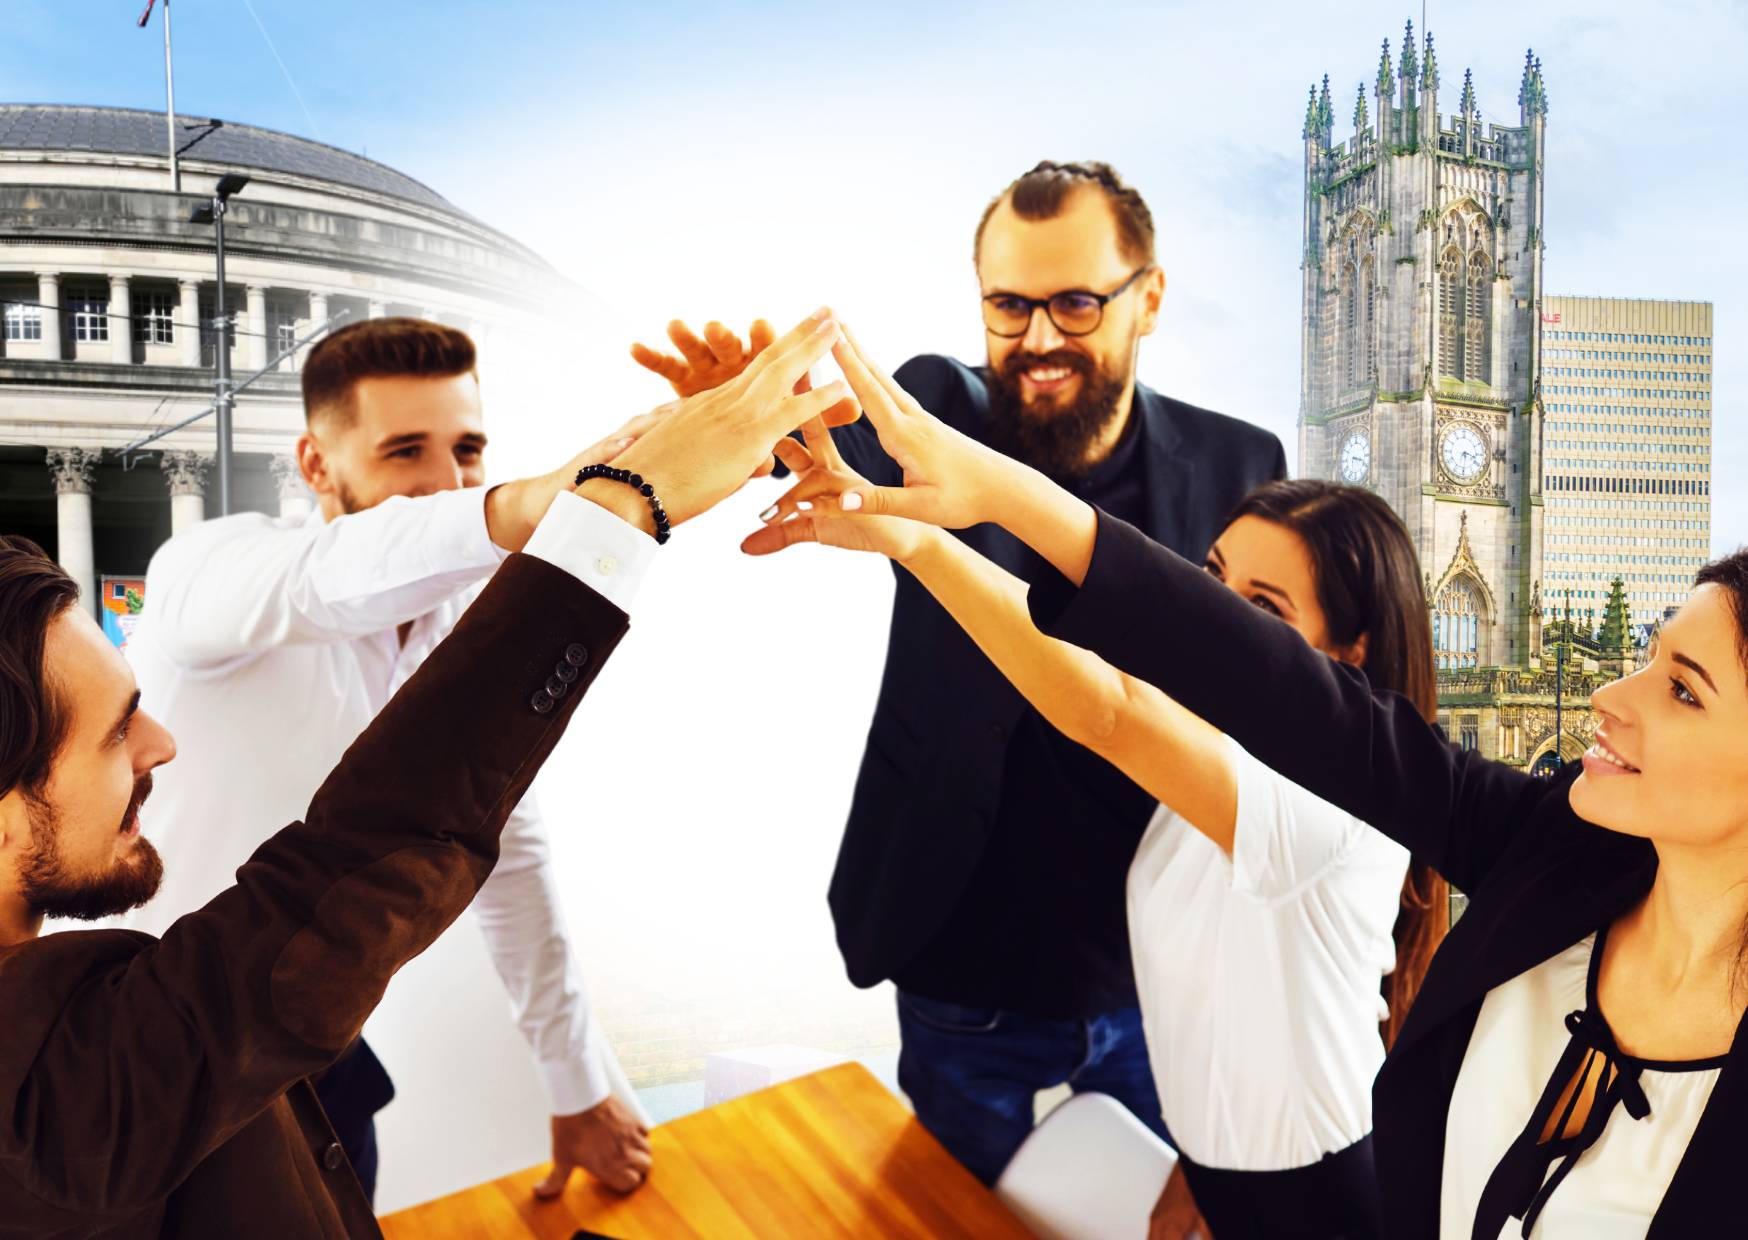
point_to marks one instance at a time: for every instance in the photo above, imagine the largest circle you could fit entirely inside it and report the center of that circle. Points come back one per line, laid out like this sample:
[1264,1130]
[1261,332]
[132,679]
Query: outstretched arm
[1176,757]
[1168,624]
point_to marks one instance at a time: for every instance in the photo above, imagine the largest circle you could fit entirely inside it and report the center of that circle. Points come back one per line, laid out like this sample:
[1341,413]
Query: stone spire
[1409,68]
[1532,95]
[1429,67]
[1325,109]
[1386,79]
[1468,102]
[1311,113]
[1360,120]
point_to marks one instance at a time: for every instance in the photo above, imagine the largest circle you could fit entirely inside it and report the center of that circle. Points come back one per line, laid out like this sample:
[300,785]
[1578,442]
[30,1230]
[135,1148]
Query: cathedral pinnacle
[1409,69]
[1385,77]
[1468,102]
[1360,121]
[1429,67]
[1325,109]
[1311,113]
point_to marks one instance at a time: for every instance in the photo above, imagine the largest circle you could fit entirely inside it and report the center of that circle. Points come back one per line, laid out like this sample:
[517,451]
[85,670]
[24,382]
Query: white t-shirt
[1258,973]
[1617,1184]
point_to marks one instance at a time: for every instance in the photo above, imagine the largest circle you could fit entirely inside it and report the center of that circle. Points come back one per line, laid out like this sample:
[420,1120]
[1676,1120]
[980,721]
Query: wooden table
[831,1154]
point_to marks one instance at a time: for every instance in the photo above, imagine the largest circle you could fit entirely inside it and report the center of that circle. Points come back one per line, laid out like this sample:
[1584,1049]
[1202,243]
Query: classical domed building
[108,304]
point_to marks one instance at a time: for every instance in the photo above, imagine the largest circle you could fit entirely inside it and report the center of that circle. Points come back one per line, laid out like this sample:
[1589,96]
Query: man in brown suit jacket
[159,1087]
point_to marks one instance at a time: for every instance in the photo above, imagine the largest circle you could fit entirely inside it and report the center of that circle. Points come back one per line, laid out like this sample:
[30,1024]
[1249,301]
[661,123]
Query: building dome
[108,306]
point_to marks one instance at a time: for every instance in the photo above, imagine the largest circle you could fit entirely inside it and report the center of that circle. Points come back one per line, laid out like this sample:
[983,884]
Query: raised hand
[705,363]
[711,443]
[822,472]
[513,509]
[950,479]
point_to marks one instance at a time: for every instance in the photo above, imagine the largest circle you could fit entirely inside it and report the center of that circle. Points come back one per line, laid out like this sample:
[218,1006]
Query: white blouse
[1258,973]
[1616,1184]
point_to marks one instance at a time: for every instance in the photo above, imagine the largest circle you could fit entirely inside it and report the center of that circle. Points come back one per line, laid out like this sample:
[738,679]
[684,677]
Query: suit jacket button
[542,702]
[555,686]
[576,655]
[333,1158]
[565,672]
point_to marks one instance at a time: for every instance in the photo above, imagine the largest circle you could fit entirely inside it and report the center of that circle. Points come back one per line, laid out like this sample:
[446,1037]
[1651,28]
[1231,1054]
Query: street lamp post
[213,213]
[1559,676]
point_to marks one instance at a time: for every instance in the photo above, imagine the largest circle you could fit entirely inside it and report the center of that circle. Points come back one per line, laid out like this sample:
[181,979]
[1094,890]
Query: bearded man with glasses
[984,862]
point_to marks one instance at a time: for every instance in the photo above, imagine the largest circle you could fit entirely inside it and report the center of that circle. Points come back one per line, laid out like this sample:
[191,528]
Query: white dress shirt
[1617,1184]
[266,646]
[1259,973]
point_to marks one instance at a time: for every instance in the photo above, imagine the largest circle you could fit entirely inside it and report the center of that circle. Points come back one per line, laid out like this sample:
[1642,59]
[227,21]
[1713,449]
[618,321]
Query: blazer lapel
[1169,481]
[1554,900]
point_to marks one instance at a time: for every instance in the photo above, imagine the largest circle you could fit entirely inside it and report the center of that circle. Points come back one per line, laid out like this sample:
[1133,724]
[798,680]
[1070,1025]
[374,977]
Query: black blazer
[158,1087]
[1539,878]
[931,774]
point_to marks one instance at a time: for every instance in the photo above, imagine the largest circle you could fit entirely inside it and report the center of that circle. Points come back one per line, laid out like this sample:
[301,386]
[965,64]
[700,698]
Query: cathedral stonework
[1421,354]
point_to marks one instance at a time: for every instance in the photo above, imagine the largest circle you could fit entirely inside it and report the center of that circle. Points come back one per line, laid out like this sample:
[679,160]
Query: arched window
[1457,618]
[1351,324]
[1450,309]
[1477,318]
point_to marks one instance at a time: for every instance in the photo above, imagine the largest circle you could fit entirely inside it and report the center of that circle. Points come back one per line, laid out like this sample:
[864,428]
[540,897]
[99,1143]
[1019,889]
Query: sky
[725,160]
[729,160]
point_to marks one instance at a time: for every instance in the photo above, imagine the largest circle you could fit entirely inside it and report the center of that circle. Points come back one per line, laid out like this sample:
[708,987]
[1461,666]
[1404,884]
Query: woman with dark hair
[1260,916]
[1576,1063]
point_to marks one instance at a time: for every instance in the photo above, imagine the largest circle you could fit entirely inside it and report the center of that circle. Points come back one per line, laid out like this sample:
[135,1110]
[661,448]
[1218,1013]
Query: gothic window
[1369,312]
[1350,323]
[1450,308]
[1477,318]
[1456,625]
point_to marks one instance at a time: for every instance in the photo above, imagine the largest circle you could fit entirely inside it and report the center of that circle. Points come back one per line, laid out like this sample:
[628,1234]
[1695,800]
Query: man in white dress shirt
[268,645]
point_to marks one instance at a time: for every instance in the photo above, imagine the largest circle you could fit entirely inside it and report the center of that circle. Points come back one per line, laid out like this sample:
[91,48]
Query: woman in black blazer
[1575,1062]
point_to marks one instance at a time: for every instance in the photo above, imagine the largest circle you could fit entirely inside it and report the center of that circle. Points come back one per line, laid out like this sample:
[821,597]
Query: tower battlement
[1400,115]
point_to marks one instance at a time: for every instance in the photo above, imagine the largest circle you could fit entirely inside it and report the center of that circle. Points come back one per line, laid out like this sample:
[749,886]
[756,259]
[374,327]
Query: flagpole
[170,105]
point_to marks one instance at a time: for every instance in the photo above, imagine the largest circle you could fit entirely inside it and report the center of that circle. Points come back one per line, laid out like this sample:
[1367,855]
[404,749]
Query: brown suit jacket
[158,1087]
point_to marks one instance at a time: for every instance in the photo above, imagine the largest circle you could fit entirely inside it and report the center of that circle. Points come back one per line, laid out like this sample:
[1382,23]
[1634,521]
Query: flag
[147,15]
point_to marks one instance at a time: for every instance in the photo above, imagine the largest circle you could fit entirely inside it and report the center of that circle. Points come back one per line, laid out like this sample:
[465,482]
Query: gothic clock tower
[1422,315]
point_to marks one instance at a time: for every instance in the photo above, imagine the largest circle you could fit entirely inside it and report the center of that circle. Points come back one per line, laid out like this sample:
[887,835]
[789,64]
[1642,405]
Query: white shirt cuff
[574,1085]
[595,547]
[459,523]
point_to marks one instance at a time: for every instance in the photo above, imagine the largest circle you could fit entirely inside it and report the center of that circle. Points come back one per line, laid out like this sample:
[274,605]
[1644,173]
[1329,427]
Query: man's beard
[348,501]
[49,891]
[1054,440]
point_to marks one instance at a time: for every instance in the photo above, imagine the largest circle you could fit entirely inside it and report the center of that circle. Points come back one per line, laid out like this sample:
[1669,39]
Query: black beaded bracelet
[635,481]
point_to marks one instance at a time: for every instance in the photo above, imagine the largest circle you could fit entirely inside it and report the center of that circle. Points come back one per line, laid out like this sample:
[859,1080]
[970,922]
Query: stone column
[121,322]
[256,352]
[378,309]
[295,499]
[185,473]
[318,310]
[48,285]
[73,470]
[188,323]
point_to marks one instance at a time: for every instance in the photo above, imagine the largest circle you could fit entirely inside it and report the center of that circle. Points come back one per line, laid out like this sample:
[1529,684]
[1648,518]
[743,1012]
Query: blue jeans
[973,1073]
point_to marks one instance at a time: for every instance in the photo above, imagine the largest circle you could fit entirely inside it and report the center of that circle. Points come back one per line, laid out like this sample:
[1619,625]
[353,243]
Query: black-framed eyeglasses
[1075,312]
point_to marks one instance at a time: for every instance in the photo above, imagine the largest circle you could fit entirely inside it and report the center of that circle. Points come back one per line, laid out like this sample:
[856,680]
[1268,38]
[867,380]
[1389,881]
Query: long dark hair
[1730,574]
[1368,583]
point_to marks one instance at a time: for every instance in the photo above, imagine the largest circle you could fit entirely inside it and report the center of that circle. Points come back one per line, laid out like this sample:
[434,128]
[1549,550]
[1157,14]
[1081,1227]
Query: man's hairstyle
[33,591]
[1041,193]
[380,349]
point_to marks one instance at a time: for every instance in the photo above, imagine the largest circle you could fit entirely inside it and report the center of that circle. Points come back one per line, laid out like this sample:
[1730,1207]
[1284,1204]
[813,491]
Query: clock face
[1356,457]
[1463,453]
